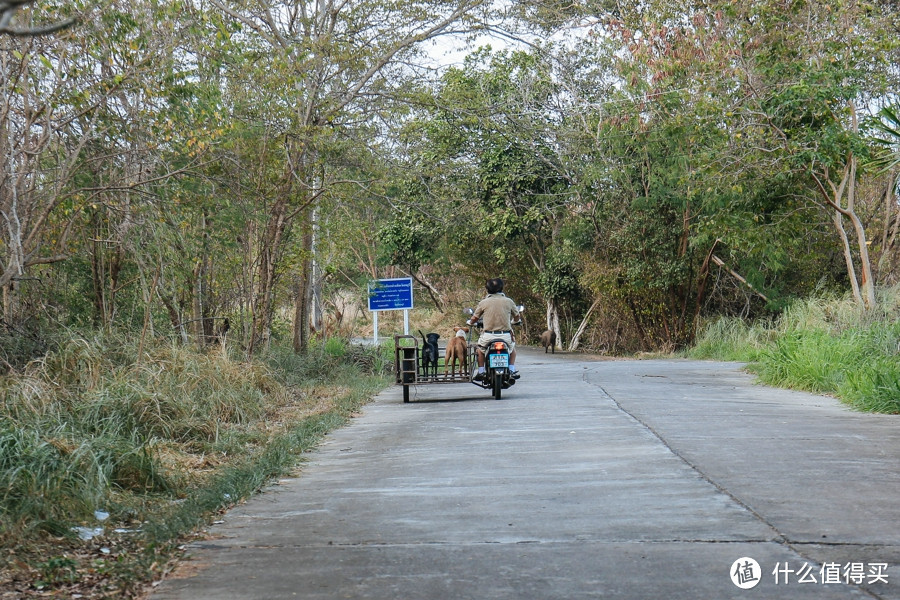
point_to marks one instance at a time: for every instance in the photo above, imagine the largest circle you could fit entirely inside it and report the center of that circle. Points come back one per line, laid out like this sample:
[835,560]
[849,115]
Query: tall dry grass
[162,442]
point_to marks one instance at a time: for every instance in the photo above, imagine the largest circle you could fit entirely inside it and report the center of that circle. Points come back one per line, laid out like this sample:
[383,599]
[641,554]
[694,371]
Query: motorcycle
[497,377]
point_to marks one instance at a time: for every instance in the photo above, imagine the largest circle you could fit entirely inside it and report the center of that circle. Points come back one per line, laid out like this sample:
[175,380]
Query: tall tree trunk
[98,270]
[197,302]
[834,195]
[304,294]
[702,279]
[576,339]
[317,279]
[867,281]
[202,325]
[645,341]
[270,251]
[174,316]
[296,339]
[553,321]
[838,221]
[115,272]
[889,230]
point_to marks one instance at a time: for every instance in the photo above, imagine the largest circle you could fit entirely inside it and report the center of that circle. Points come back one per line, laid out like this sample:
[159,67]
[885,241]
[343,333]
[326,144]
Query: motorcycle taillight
[499,346]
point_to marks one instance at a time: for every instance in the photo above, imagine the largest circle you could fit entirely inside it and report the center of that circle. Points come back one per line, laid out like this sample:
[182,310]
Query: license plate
[499,360]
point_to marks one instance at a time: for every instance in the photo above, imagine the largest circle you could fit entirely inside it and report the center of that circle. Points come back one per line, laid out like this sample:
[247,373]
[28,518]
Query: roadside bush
[335,347]
[89,422]
[21,343]
[47,482]
[874,387]
[731,338]
[823,346]
[327,358]
[160,442]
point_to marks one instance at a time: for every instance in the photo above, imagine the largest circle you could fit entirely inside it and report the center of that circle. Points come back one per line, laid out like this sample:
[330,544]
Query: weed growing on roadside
[161,444]
[823,346]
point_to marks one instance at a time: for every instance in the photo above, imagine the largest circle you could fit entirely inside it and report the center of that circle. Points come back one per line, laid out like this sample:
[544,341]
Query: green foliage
[695,152]
[496,174]
[886,125]
[409,240]
[327,359]
[858,365]
[161,442]
[335,347]
[731,338]
[639,145]
[181,178]
[649,224]
[560,279]
[56,570]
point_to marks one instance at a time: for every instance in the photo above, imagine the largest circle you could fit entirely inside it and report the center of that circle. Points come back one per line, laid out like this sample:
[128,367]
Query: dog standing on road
[457,349]
[548,340]
[430,352]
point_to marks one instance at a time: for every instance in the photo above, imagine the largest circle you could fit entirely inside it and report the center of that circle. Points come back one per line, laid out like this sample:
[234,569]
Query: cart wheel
[498,385]
[406,393]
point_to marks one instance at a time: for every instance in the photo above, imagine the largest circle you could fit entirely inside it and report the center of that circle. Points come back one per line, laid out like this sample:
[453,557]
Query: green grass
[823,346]
[732,339]
[162,444]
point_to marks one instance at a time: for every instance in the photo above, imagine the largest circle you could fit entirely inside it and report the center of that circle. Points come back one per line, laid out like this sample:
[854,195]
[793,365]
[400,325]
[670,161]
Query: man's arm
[479,310]
[516,316]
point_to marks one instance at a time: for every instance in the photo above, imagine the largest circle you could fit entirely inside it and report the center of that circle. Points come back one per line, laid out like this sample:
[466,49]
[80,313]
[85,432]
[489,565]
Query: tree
[491,145]
[8,10]
[331,61]
[410,240]
[54,104]
[812,110]
[762,91]
[800,84]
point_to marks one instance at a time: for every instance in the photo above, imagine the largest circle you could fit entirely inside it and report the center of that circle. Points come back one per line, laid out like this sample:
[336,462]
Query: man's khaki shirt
[495,310]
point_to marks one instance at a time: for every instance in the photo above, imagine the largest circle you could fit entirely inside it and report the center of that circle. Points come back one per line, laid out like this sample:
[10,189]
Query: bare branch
[719,262]
[8,10]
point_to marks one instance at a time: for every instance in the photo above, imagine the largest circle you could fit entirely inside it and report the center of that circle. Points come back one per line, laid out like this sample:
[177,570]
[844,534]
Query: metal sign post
[391,294]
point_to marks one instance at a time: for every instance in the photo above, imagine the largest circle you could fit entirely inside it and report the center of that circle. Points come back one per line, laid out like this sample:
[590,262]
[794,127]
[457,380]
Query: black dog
[429,352]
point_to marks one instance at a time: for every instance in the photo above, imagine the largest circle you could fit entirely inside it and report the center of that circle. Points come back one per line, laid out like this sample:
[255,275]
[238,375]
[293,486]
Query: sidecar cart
[408,365]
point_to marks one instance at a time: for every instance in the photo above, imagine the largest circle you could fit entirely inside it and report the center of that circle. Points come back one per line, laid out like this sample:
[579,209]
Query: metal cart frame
[408,366]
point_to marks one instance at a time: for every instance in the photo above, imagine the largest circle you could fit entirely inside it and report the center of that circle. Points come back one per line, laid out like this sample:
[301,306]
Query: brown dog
[548,340]
[457,348]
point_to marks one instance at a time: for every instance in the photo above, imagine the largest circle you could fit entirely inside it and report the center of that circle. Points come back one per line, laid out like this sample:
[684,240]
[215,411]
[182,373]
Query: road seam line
[781,539]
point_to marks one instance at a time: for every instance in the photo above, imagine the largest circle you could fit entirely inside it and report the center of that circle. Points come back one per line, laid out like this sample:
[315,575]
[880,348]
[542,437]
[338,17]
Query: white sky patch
[450,50]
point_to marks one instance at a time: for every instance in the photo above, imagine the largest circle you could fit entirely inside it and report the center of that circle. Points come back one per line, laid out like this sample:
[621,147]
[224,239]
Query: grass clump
[820,345]
[732,339]
[860,366]
[139,452]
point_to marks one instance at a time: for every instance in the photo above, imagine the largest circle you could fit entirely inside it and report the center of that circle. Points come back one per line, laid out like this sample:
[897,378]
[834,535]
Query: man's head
[494,286]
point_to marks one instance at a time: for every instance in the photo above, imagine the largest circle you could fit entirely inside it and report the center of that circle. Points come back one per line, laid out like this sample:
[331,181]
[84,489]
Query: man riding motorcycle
[498,313]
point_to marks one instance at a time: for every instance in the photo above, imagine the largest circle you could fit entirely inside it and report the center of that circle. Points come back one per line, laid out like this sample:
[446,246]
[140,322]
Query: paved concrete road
[590,479]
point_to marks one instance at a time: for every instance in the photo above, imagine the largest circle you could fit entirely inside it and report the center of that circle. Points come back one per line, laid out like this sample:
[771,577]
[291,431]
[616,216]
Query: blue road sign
[391,294]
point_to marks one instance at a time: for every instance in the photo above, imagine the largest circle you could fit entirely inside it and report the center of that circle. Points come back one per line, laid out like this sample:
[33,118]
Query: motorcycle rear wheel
[497,385]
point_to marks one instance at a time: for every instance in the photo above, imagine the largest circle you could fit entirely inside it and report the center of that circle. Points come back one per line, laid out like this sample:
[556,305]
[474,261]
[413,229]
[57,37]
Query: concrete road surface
[590,479]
